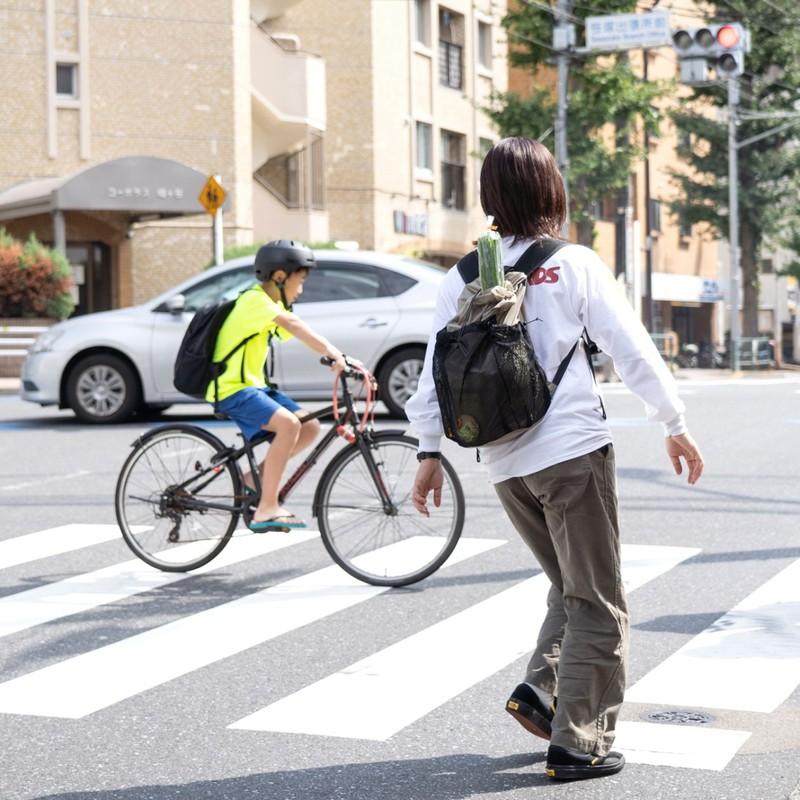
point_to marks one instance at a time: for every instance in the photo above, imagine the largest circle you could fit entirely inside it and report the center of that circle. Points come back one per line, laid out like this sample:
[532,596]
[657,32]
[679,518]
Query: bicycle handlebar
[348,373]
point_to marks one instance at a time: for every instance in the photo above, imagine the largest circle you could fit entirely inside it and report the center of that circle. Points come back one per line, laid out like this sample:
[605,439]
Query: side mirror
[176,304]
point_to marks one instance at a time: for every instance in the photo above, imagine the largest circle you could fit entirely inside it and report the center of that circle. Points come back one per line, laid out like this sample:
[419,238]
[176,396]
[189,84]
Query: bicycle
[180,495]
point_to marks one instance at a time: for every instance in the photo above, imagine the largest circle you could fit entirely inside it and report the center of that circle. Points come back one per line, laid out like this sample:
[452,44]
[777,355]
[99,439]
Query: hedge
[35,281]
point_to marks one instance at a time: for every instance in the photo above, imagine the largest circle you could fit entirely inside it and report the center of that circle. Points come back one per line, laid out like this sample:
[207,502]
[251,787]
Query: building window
[422,22]
[67,80]
[767,266]
[485,44]
[424,146]
[684,229]
[453,169]
[484,146]
[655,216]
[451,49]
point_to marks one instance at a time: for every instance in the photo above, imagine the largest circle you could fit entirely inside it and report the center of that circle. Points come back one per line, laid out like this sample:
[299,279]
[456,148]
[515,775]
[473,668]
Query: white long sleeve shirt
[571,290]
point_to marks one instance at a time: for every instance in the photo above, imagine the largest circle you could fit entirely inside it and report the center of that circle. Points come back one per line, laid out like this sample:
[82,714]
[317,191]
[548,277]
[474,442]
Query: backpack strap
[533,258]
[590,348]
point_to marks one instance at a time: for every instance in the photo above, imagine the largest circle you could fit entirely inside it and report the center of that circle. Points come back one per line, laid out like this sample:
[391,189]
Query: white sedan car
[374,306]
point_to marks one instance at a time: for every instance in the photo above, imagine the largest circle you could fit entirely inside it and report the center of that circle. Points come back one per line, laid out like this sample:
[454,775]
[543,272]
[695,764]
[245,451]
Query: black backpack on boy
[195,367]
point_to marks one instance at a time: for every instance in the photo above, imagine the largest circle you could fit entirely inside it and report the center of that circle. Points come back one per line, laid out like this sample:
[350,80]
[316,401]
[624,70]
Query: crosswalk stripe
[54,542]
[748,660]
[110,584]
[678,745]
[84,684]
[383,693]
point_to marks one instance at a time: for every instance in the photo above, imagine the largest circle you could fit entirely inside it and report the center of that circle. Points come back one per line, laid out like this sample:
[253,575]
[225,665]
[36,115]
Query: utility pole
[733,219]
[563,39]
[649,315]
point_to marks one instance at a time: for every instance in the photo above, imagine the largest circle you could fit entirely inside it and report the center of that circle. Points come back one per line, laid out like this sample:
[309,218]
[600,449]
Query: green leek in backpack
[490,260]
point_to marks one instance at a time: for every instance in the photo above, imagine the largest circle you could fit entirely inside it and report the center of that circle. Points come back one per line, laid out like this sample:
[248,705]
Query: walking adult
[556,481]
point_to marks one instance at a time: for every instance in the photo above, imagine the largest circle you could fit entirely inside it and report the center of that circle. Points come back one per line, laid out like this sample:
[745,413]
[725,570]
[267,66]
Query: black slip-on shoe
[566,764]
[526,707]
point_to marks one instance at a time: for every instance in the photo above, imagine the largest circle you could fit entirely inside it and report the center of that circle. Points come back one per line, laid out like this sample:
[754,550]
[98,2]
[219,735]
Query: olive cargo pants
[567,515]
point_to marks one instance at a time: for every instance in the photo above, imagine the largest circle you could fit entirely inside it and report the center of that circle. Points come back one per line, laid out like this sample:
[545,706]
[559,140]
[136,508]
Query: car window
[335,281]
[396,283]
[224,286]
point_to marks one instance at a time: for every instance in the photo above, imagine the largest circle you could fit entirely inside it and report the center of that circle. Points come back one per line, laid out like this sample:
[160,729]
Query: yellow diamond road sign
[212,195]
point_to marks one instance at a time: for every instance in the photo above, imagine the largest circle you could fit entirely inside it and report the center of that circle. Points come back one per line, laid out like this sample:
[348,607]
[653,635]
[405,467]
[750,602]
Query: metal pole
[563,9]
[217,231]
[733,220]
[649,310]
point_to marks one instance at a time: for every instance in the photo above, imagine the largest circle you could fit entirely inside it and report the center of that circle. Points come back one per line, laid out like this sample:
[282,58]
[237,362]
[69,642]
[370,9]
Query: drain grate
[679,717]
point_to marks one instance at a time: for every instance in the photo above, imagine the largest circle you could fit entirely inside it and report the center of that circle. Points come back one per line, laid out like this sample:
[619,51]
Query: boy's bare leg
[308,433]
[286,427]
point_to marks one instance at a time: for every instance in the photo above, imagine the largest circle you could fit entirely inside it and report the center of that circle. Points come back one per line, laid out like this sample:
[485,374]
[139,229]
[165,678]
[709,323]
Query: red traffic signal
[728,37]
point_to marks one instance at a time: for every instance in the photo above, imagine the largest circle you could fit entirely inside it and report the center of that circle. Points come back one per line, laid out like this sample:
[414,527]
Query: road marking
[678,745]
[84,684]
[55,541]
[38,482]
[387,691]
[748,660]
[89,590]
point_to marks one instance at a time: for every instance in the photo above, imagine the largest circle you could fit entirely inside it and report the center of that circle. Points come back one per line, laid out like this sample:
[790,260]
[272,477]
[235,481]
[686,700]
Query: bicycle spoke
[391,549]
[159,475]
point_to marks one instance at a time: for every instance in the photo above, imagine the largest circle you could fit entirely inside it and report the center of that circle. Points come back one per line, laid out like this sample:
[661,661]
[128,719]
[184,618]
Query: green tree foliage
[768,169]
[603,91]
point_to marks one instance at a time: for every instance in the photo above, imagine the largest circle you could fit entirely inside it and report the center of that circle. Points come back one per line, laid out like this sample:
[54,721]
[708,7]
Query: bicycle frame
[233,454]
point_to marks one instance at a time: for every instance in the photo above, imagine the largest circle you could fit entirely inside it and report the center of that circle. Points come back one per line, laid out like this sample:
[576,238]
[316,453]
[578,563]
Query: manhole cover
[679,717]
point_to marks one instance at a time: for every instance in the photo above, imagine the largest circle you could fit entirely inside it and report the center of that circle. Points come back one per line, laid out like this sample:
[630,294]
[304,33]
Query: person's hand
[430,476]
[683,446]
[337,362]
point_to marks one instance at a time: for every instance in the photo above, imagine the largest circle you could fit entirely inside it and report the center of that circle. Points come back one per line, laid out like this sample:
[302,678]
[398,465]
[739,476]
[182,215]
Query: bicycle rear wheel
[158,487]
[383,548]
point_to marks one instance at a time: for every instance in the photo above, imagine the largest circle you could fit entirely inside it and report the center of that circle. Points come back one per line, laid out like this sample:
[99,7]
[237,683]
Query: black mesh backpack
[490,386]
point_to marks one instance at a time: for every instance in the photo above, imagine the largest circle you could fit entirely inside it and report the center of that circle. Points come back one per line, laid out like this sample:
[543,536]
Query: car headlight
[46,341]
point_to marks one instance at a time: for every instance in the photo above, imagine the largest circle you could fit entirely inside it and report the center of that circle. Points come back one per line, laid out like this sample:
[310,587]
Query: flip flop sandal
[284,523]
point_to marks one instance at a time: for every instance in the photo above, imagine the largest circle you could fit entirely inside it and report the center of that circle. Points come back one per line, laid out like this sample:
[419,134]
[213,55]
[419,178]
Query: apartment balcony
[287,91]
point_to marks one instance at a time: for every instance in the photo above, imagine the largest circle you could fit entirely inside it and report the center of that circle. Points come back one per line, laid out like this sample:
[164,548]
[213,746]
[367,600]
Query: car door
[168,327]
[350,305]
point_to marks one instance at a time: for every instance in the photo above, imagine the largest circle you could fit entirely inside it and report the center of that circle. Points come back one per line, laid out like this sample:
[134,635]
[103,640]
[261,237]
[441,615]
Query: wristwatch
[422,455]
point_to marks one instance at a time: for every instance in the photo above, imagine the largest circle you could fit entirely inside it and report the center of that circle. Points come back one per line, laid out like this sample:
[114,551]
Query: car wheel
[399,377]
[103,389]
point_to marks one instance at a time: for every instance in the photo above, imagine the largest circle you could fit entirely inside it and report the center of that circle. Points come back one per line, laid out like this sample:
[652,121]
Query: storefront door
[91,269]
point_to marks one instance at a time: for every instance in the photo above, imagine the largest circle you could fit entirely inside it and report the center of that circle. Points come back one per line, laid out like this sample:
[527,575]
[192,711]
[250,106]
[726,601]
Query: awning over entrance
[140,186]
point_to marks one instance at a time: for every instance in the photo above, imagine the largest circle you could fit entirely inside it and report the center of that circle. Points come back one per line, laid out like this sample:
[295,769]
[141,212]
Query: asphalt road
[722,589]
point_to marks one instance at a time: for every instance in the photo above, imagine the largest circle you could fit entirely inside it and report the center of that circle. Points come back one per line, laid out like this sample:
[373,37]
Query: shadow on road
[443,778]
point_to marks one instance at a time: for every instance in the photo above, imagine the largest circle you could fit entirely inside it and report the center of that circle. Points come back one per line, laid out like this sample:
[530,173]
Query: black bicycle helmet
[283,254]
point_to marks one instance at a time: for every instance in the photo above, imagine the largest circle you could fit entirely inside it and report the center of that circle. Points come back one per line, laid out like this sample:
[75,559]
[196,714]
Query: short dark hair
[522,189]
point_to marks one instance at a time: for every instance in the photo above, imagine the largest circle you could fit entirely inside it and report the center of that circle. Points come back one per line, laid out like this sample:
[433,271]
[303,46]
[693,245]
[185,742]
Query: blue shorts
[250,408]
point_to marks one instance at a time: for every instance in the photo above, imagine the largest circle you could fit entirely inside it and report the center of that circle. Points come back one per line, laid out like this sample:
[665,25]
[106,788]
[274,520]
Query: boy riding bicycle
[263,312]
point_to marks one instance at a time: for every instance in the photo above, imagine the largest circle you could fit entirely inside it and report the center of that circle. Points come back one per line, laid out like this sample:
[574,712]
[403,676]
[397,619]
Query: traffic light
[721,46]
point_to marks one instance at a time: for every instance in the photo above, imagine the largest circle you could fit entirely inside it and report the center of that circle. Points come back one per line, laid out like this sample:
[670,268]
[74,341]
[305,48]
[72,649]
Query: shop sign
[411,224]
[712,291]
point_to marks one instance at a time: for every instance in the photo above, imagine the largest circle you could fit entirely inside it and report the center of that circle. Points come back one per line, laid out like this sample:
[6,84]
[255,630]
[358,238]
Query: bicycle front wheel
[176,499]
[383,547]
